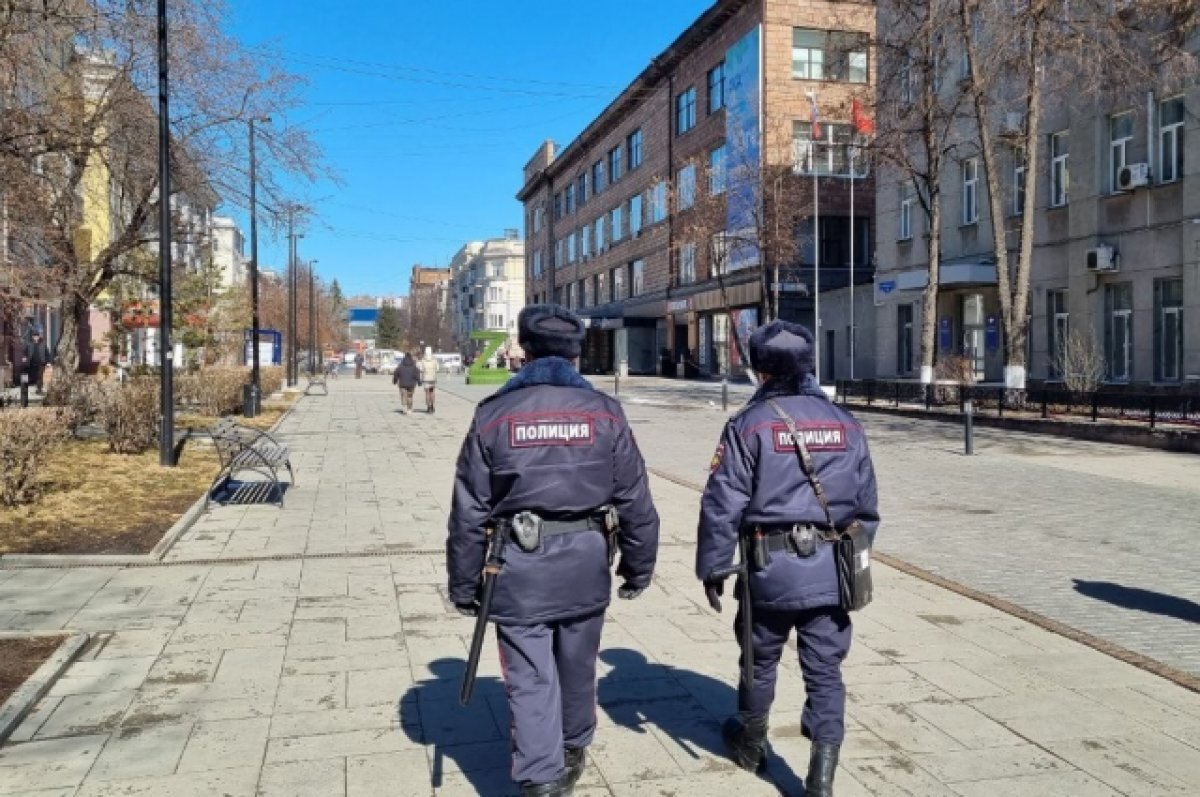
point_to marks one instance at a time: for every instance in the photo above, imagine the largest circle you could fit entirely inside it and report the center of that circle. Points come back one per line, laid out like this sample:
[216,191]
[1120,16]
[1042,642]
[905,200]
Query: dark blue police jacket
[756,479]
[547,442]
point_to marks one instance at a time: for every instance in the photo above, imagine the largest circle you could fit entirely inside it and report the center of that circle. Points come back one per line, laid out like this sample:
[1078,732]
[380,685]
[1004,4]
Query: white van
[449,362]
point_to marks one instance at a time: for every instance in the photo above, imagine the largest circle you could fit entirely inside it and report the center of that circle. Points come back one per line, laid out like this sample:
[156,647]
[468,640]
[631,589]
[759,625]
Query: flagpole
[853,149]
[816,244]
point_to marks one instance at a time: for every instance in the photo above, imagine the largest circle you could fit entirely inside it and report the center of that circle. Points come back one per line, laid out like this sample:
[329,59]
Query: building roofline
[659,67]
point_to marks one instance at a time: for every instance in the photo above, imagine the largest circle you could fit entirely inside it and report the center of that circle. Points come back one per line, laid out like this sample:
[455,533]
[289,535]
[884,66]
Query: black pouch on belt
[852,552]
[760,554]
[526,531]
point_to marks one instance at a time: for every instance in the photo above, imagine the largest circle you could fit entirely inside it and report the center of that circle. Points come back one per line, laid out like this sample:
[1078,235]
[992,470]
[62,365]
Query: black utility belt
[529,529]
[801,539]
[553,527]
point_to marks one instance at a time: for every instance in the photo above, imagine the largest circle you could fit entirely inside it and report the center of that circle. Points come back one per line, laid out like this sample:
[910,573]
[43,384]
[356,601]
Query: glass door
[974,338]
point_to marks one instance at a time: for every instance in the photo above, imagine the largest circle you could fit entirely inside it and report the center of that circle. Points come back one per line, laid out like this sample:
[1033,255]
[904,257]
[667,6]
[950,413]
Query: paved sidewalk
[319,656]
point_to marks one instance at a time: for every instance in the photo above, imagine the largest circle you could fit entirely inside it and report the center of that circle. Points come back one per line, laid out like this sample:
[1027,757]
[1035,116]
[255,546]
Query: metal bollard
[724,394]
[969,427]
[617,383]
[24,391]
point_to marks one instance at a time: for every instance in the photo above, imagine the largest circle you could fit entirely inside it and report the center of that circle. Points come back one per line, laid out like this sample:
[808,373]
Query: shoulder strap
[806,460]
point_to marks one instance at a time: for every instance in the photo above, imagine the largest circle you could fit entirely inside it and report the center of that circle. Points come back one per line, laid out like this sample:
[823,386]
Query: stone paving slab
[339,676]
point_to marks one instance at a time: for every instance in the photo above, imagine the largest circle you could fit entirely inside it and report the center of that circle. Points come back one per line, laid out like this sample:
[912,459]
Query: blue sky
[429,111]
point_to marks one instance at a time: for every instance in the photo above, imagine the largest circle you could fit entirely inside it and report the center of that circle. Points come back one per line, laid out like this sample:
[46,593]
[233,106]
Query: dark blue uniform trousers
[549,673]
[823,640]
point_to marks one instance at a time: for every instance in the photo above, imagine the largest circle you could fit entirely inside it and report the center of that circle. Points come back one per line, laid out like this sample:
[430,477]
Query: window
[537,264]
[1018,182]
[589,296]
[597,177]
[1060,177]
[829,55]
[572,296]
[637,281]
[599,227]
[614,226]
[614,164]
[571,248]
[538,213]
[558,206]
[585,242]
[569,199]
[970,191]
[907,81]
[1118,331]
[1170,136]
[906,212]
[602,288]
[618,284]
[830,155]
[685,111]
[560,253]
[716,170]
[1058,325]
[635,214]
[904,339]
[687,264]
[634,144]
[495,321]
[581,191]
[1120,133]
[808,54]
[658,202]
[716,88]
[1168,330]
[495,294]
[685,184]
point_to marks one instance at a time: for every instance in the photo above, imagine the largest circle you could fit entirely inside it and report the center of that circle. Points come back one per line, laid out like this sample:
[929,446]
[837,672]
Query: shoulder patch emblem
[718,455]
[817,436]
[567,429]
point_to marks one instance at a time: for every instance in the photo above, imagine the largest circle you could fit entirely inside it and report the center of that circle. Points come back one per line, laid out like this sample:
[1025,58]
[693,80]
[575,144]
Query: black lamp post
[313,348]
[166,437]
[253,398]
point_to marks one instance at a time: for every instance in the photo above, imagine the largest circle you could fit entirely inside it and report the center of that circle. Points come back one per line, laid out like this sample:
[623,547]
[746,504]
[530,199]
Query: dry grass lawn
[20,658]
[94,501]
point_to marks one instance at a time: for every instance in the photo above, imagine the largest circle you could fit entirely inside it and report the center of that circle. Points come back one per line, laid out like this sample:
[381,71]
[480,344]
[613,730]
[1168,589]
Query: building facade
[228,252]
[684,213]
[487,289]
[1116,248]
[429,308]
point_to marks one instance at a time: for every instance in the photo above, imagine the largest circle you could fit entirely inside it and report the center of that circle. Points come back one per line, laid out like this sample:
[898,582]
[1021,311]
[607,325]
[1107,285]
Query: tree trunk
[66,352]
[930,295]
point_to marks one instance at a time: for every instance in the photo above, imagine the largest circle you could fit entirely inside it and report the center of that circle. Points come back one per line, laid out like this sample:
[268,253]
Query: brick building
[685,210]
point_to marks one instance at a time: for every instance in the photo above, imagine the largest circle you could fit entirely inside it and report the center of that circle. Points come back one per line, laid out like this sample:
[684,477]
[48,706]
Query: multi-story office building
[1116,250]
[487,288]
[429,308]
[685,210]
[228,251]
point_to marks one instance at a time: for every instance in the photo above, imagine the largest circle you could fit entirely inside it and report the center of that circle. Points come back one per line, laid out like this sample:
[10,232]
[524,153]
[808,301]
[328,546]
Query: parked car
[449,362]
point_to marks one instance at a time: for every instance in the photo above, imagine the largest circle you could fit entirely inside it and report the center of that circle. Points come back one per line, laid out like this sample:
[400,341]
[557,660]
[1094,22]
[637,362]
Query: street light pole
[255,393]
[312,318]
[166,437]
[290,349]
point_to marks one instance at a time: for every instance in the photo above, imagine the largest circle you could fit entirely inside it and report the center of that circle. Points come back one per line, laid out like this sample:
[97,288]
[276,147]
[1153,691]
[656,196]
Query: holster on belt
[612,524]
[760,554]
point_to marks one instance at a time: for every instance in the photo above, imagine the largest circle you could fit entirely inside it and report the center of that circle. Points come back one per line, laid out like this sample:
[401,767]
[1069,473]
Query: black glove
[468,609]
[713,590]
[629,591]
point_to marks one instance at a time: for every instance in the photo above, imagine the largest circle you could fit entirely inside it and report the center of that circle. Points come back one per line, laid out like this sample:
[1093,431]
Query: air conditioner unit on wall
[1134,175]
[1102,259]
[1013,125]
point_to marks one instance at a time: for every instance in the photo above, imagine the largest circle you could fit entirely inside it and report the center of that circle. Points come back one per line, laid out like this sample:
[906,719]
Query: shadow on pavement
[683,705]
[472,740]
[1142,600]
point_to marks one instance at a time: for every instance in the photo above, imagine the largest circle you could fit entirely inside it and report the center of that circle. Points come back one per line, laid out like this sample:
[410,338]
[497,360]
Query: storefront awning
[955,274]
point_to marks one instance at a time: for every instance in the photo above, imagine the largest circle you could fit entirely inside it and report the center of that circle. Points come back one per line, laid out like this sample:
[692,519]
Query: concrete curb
[37,685]
[156,554]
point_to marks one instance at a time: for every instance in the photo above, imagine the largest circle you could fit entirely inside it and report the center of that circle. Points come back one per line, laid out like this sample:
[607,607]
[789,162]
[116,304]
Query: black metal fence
[1046,402]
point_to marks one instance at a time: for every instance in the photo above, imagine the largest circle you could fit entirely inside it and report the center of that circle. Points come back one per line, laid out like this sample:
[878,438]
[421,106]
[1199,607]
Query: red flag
[862,123]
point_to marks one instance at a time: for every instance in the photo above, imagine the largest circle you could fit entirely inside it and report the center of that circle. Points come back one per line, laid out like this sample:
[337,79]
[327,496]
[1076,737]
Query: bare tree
[1080,360]
[916,114]
[81,162]
[1020,56]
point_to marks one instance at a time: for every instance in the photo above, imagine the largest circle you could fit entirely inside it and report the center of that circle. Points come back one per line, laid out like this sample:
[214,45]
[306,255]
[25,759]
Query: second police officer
[757,488]
[552,464]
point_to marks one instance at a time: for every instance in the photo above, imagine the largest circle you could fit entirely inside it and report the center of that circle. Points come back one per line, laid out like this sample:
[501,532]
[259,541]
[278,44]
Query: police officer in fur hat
[758,488]
[551,464]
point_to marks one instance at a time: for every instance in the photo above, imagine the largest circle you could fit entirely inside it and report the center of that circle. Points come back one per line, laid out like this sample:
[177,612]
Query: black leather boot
[558,788]
[575,760]
[746,738]
[822,763]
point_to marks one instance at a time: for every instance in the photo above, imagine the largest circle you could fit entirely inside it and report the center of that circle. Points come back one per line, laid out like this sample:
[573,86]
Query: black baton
[741,569]
[491,569]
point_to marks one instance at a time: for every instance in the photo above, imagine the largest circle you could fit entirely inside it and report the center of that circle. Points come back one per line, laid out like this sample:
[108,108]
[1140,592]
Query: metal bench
[241,449]
[316,380]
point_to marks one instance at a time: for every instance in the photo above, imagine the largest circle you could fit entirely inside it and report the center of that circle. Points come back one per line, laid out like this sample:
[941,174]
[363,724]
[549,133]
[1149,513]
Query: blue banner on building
[992,333]
[742,145]
[945,334]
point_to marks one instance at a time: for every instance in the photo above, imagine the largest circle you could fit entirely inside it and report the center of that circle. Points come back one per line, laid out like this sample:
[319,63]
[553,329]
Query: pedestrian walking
[429,375]
[760,498]
[406,376]
[39,358]
[549,473]
[359,361]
